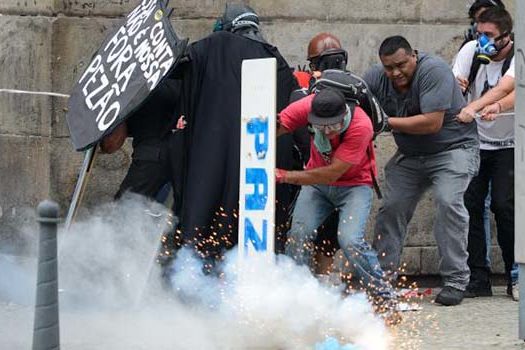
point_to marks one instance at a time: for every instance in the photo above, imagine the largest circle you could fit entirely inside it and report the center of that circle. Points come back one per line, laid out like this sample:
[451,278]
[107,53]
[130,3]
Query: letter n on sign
[257,180]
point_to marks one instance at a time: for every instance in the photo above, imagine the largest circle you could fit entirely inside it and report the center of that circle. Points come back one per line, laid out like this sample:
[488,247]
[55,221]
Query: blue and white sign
[258,144]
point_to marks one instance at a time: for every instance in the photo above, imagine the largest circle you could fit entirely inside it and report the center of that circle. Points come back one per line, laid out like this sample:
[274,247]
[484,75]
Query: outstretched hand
[491,112]
[466,115]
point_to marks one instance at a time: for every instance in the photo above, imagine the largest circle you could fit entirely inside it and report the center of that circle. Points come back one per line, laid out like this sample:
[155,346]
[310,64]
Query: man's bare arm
[319,176]
[504,87]
[421,124]
[112,142]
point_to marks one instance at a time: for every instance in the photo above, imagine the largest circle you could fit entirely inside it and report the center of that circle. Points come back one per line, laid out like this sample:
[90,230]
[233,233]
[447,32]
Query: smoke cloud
[112,295]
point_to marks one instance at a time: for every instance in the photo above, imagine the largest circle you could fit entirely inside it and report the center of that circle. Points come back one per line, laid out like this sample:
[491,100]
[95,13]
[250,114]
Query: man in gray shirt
[435,151]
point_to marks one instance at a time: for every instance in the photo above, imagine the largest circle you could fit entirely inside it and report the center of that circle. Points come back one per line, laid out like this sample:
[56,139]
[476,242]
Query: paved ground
[481,323]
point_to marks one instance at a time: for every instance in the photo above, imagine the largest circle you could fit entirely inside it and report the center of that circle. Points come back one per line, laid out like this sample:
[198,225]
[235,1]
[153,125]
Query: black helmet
[235,17]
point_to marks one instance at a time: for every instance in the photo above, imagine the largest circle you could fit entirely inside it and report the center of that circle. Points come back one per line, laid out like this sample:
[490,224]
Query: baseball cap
[329,107]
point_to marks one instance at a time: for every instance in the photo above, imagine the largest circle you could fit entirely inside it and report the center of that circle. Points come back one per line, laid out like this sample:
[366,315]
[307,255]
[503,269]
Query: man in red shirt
[338,176]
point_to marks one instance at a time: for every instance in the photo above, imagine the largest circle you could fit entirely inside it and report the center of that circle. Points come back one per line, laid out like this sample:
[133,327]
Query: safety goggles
[327,129]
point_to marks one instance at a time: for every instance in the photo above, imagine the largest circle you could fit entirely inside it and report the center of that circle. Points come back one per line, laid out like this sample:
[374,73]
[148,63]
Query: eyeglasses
[327,129]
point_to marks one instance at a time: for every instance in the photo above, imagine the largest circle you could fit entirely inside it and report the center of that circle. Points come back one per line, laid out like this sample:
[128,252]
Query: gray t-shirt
[433,88]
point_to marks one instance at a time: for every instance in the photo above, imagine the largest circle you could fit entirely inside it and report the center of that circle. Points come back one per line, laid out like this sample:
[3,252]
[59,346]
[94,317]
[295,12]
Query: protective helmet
[235,17]
[325,52]
[322,42]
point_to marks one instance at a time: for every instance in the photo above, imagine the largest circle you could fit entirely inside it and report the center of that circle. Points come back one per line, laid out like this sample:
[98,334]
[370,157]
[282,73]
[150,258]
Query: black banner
[126,68]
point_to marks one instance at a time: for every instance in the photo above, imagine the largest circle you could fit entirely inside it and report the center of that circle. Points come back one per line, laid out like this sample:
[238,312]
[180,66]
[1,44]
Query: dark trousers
[154,164]
[497,167]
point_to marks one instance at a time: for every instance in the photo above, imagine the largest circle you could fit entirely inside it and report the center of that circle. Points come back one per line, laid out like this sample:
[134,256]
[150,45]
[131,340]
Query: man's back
[214,95]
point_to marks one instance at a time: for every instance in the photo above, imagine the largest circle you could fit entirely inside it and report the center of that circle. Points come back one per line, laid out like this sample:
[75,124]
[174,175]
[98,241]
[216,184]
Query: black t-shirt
[151,122]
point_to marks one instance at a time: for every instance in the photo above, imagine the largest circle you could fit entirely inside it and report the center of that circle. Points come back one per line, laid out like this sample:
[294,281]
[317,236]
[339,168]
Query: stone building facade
[46,44]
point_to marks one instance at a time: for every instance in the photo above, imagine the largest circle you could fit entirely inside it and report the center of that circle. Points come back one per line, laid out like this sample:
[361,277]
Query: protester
[212,100]
[479,66]
[419,93]
[324,51]
[157,147]
[474,11]
[338,176]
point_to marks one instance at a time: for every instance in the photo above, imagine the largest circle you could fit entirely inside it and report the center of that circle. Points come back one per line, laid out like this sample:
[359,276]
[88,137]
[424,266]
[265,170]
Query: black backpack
[355,90]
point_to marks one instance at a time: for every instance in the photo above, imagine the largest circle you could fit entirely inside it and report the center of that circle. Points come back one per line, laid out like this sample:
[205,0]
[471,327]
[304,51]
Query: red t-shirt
[351,149]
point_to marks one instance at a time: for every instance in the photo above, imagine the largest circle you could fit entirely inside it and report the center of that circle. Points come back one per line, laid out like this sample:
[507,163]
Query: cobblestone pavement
[481,323]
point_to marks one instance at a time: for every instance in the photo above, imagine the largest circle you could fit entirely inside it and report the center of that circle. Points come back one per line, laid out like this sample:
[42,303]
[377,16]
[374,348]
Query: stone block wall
[46,44]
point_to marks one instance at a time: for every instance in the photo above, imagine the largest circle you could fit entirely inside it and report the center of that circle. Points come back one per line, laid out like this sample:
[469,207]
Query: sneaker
[478,289]
[513,290]
[449,296]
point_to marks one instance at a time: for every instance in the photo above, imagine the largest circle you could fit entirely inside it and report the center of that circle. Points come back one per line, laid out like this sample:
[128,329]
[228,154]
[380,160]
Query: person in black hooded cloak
[212,103]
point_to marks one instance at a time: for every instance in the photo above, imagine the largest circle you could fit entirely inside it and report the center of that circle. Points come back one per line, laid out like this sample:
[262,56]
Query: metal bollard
[46,334]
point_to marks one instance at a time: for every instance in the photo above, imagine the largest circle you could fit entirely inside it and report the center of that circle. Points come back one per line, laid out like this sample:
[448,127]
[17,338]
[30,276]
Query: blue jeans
[314,204]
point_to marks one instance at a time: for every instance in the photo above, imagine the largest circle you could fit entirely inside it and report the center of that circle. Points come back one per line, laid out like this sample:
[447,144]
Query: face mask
[329,59]
[486,48]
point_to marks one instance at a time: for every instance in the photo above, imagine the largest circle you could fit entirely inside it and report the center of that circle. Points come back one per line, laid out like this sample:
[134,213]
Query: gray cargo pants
[448,174]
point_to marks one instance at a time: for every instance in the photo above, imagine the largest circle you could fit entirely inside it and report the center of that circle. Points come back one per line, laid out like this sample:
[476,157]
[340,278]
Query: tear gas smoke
[111,295]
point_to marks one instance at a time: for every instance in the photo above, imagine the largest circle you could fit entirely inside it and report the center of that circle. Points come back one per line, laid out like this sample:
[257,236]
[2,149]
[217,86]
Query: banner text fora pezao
[123,72]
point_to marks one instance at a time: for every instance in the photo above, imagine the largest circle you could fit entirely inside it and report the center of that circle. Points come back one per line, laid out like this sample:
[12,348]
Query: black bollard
[46,334]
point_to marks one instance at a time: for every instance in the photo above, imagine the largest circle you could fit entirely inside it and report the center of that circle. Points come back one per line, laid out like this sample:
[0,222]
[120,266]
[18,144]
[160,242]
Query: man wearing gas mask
[479,67]
[474,11]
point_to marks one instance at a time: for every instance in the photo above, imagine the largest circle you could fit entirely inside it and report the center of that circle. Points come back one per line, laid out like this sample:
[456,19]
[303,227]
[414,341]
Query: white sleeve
[510,71]
[463,60]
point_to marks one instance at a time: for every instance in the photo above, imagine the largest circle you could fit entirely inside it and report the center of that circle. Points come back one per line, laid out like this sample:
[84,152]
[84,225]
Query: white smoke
[111,295]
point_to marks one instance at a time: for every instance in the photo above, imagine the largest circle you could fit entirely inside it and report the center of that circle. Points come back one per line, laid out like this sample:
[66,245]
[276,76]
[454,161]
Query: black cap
[237,16]
[328,107]
[483,3]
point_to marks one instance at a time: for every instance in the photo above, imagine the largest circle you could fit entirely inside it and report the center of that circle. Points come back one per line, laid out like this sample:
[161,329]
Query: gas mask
[486,47]
[329,59]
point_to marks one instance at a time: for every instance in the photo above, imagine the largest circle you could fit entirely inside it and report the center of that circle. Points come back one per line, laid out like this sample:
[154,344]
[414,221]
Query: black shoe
[478,289]
[449,296]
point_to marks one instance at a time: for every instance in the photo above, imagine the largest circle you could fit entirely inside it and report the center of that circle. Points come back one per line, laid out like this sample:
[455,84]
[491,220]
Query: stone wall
[46,44]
